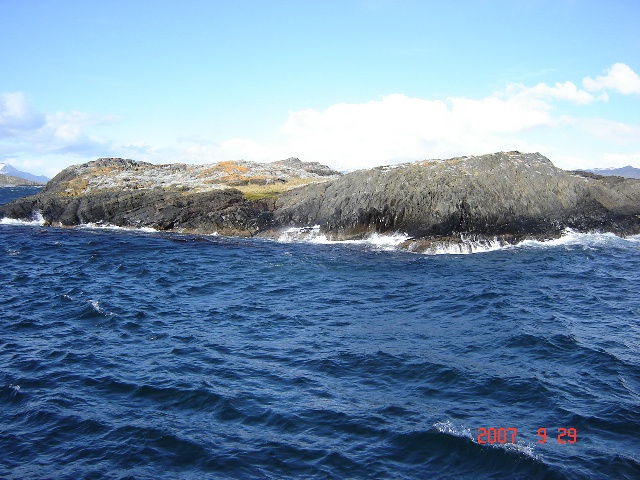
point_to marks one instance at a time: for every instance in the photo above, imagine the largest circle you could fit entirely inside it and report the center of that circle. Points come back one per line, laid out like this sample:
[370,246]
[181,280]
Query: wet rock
[507,193]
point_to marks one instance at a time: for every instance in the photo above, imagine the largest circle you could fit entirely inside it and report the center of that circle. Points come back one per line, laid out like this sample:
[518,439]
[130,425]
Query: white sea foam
[97,308]
[465,247]
[467,244]
[387,242]
[95,304]
[36,220]
[588,240]
[569,238]
[448,428]
[520,447]
[302,234]
[313,235]
[109,226]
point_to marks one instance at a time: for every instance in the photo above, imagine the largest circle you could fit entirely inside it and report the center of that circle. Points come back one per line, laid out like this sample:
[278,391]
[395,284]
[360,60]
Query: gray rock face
[510,194]
[313,168]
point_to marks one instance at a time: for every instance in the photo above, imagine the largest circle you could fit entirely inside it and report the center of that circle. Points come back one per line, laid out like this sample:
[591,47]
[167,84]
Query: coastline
[395,242]
[497,199]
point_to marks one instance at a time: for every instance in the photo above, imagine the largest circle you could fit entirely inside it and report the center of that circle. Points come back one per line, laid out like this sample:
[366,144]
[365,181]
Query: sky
[349,83]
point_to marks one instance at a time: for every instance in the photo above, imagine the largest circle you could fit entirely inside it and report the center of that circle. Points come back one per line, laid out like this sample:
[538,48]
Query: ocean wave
[109,226]
[461,431]
[177,355]
[313,235]
[571,238]
[462,245]
[465,244]
[36,220]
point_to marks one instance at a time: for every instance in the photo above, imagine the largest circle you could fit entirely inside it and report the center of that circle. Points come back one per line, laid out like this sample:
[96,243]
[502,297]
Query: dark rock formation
[512,195]
[223,211]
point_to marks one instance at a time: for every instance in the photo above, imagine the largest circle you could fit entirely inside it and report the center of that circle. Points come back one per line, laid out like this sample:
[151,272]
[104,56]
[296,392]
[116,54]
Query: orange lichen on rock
[231,166]
[74,187]
[225,168]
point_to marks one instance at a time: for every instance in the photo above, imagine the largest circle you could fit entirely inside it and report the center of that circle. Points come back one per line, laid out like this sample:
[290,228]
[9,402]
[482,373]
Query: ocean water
[138,354]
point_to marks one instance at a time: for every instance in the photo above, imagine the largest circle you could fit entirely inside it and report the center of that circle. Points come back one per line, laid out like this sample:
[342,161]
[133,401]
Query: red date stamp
[496,435]
[565,435]
[508,435]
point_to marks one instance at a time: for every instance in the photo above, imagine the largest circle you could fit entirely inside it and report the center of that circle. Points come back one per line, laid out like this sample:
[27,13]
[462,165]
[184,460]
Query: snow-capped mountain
[6,169]
[628,171]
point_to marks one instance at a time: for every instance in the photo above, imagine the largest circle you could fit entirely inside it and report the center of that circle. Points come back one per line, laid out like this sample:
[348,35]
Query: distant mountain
[6,169]
[11,181]
[628,172]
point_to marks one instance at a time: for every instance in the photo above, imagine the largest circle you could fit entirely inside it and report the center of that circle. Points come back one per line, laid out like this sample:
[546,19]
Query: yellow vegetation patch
[234,180]
[254,191]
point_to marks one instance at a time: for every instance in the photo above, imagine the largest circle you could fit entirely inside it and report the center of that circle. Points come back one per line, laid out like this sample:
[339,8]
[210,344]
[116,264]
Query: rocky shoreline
[502,197]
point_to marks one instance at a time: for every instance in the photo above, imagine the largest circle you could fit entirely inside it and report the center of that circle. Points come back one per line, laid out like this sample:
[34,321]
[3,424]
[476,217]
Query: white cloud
[619,78]
[360,135]
[23,129]
[392,129]
[16,115]
[608,130]
[198,150]
[71,132]
[561,91]
[400,128]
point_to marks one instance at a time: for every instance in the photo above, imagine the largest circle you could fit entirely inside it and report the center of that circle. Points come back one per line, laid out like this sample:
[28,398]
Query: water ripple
[142,355]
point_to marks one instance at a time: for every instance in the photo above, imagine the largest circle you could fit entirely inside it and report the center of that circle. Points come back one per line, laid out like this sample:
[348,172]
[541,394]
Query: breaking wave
[571,238]
[109,226]
[399,241]
[313,235]
[465,245]
[36,220]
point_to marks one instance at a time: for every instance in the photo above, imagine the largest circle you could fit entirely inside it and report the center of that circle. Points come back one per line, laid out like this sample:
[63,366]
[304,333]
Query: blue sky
[349,83]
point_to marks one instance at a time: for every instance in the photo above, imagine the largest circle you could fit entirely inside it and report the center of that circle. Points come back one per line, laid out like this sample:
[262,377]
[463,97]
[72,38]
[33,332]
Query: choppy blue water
[129,354]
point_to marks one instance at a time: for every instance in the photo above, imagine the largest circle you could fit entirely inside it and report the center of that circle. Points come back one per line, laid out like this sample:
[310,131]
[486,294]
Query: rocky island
[505,196]
[13,181]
